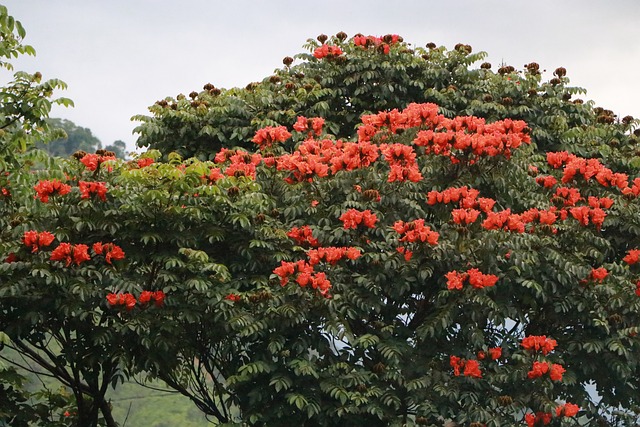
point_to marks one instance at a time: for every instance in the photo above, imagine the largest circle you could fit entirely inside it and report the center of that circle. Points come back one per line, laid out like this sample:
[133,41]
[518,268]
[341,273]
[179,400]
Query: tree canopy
[380,234]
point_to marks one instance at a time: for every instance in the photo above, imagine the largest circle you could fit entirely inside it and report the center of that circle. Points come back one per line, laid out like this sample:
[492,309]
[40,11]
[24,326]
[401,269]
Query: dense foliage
[379,235]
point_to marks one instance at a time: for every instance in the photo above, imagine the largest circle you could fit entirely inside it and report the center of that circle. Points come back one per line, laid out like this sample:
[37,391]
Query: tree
[77,138]
[344,266]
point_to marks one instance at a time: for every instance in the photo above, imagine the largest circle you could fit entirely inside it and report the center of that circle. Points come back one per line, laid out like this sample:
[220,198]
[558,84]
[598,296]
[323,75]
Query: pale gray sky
[120,56]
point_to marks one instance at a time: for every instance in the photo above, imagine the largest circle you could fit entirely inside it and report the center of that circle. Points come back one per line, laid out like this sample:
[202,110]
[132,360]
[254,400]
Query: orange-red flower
[539,343]
[632,257]
[125,299]
[353,218]
[70,253]
[47,188]
[97,188]
[36,240]
[111,251]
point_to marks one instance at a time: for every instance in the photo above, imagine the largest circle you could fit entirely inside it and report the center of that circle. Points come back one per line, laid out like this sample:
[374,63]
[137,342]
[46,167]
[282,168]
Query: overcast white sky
[120,56]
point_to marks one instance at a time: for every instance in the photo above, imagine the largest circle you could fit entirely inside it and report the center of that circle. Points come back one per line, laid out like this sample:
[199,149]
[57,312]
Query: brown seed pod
[532,92]
[555,81]
[233,191]
[566,96]
[431,45]
[505,400]
[486,66]
[287,60]
[215,91]
[79,154]
[560,72]
[208,87]
[193,95]
[341,35]
[101,152]
[290,86]
[379,368]
[487,98]
[274,79]
[627,119]
[322,38]
[507,100]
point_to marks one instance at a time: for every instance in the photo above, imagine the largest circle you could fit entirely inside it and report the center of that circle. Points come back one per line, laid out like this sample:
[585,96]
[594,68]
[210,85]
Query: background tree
[77,138]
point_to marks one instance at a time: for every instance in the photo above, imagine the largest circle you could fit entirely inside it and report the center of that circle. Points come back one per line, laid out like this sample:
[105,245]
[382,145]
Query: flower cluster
[241,162]
[269,135]
[93,161]
[540,343]
[598,274]
[97,188]
[69,253]
[144,162]
[471,137]
[109,250]
[415,115]
[589,168]
[504,220]
[465,216]
[495,353]
[402,162]
[156,296]
[540,368]
[468,368]
[584,215]
[46,188]
[353,218]
[415,231]
[306,276]
[311,159]
[634,190]
[332,254]
[353,155]
[128,300]
[327,51]
[465,196]
[632,257]
[539,418]
[477,279]
[303,235]
[303,124]
[381,44]
[233,297]
[35,240]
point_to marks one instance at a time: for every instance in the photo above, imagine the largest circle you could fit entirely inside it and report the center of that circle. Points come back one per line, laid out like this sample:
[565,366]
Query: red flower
[267,136]
[47,188]
[567,410]
[633,256]
[36,240]
[556,371]
[455,280]
[303,235]
[111,251]
[327,51]
[127,300]
[495,353]
[538,370]
[70,253]
[93,161]
[159,297]
[144,162]
[353,218]
[466,216]
[472,369]
[599,274]
[233,297]
[539,343]
[88,188]
[145,297]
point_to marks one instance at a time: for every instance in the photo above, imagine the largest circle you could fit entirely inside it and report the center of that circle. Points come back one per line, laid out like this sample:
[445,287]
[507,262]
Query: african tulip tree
[377,235]
[465,235]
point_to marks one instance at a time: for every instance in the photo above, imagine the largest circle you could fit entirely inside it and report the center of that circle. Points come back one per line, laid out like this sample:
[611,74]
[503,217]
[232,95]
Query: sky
[120,56]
